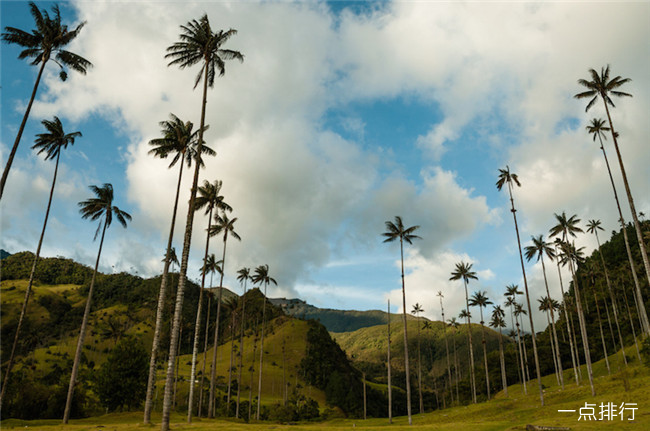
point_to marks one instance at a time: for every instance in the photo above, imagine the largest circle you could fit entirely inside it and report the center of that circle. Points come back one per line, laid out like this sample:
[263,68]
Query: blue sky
[342,116]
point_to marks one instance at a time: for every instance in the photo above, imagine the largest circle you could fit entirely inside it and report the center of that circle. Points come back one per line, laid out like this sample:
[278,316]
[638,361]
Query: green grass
[501,413]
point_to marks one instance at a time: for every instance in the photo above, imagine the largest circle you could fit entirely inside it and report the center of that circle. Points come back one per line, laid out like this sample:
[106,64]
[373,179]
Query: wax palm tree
[512,291]
[395,231]
[210,265]
[464,271]
[243,275]
[51,143]
[568,227]
[417,309]
[180,142]
[442,309]
[199,44]
[598,128]
[481,300]
[454,324]
[98,208]
[262,276]
[539,249]
[602,86]
[226,227]
[208,199]
[593,226]
[510,178]
[497,321]
[571,256]
[545,305]
[44,43]
[590,272]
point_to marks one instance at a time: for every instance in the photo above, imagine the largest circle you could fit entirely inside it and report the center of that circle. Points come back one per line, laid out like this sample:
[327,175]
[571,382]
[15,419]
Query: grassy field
[501,413]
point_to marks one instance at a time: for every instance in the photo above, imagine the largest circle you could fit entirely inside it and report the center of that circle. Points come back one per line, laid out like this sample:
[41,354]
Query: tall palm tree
[199,44]
[395,231]
[545,305]
[243,275]
[180,143]
[51,143]
[510,178]
[602,86]
[497,321]
[539,249]
[262,276]
[512,291]
[568,227]
[211,265]
[454,324]
[481,300]
[98,208]
[226,227]
[442,310]
[417,309]
[44,43]
[593,226]
[464,271]
[209,199]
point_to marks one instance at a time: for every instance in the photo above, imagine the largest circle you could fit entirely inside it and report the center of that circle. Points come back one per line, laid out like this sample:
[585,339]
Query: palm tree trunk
[232,349]
[447,350]
[259,386]
[390,388]
[471,346]
[82,335]
[180,292]
[629,315]
[250,385]
[504,379]
[558,358]
[28,292]
[205,351]
[420,369]
[487,377]
[568,327]
[637,227]
[12,154]
[557,373]
[151,382]
[456,366]
[602,336]
[530,309]
[180,339]
[197,325]
[406,347]
[213,371]
[521,359]
[241,348]
[583,329]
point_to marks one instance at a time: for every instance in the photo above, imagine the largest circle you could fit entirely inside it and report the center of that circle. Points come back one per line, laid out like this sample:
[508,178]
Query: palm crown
[507,177]
[539,249]
[397,230]
[463,270]
[55,139]
[200,44]
[49,37]
[180,140]
[102,207]
[601,85]
[598,127]
[209,198]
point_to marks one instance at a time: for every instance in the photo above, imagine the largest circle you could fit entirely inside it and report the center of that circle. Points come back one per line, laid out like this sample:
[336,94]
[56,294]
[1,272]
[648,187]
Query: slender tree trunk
[521,359]
[213,371]
[259,386]
[487,377]
[250,386]
[365,408]
[456,366]
[390,388]
[637,227]
[205,351]
[627,247]
[406,347]
[583,329]
[151,382]
[602,337]
[12,154]
[558,358]
[504,379]
[574,357]
[197,324]
[629,315]
[530,309]
[447,350]
[180,292]
[557,373]
[471,346]
[28,292]
[420,369]
[241,348]
[180,338]
[82,335]
[232,349]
